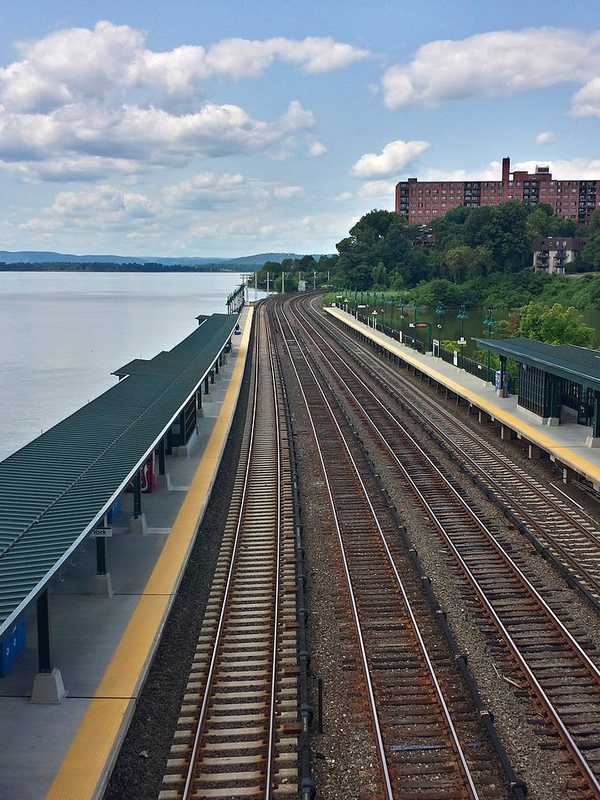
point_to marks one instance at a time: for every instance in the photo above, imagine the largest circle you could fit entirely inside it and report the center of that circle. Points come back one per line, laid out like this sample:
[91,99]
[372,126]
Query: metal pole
[100,555]
[314,280]
[283,283]
[267,283]
[137,495]
[43,632]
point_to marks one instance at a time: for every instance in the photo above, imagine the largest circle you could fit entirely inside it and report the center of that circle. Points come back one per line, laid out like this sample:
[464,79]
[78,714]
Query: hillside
[41,257]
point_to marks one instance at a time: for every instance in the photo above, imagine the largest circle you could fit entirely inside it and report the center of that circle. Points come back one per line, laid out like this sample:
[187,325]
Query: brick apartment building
[422,202]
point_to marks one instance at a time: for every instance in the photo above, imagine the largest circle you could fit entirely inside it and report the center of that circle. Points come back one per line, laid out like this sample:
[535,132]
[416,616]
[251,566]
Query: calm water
[61,335]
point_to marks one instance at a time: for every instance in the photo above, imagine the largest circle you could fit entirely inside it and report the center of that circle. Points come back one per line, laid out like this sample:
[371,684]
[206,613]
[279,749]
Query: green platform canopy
[565,361]
[54,490]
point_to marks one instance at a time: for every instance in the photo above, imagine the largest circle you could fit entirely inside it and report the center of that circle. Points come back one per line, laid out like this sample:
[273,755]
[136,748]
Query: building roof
[55,489]
[567,361]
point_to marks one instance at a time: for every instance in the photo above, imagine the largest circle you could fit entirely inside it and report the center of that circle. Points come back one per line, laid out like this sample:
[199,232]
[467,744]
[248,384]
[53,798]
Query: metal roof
[565,360]
[53,490]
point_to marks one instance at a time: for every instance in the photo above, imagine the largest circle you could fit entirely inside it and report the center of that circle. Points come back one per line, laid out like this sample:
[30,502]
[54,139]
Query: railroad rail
[237,733]
[424,746]
[560,524]
[560,674]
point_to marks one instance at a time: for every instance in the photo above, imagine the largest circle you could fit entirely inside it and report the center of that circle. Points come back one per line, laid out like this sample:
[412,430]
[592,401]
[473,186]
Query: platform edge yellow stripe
[563,453]
[92,753]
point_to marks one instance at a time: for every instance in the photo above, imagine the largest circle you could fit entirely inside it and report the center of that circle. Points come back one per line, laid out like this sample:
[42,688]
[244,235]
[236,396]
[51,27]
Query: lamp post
[461,317]
[440,311]
[401,319]
[488,323]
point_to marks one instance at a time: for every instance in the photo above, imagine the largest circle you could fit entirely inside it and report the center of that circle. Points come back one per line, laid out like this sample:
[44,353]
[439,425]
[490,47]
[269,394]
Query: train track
[560,524]
[428,744]
[237,733]
[560,674]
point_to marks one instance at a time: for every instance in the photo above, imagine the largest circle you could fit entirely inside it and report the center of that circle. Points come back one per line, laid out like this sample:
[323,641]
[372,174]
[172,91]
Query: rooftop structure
[423,201]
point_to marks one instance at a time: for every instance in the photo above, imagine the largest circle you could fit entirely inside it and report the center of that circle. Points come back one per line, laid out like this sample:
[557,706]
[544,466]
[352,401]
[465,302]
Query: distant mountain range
[41,257]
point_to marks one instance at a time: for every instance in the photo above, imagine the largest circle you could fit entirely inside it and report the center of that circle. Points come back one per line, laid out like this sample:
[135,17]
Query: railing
[459,360]
[475,368]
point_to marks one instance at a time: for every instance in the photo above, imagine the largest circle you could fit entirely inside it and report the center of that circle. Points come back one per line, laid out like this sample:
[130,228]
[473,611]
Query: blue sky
[205,128]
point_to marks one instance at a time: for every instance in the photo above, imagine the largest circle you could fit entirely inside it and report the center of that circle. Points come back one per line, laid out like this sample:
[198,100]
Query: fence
[459,360]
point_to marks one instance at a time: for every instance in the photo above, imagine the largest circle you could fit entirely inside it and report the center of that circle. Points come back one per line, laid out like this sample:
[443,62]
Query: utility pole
[314,279]
[267,283]
[255,280]
[283,283]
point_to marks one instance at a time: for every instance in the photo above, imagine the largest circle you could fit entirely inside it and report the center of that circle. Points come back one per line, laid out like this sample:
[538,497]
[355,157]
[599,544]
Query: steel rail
[578,756]
[201,724]
[502,462]
[470,786]
[272,709]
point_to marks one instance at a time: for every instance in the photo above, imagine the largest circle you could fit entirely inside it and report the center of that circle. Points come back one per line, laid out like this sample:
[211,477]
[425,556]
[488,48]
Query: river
[62,334]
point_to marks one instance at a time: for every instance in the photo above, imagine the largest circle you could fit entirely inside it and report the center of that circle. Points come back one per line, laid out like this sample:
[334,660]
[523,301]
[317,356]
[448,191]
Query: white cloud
[586,102]
[81,63]
[75,168]
[297,118]
[317,149]
[493,64]
[207,190]
[342,197]
[240,58]
[104,206]
[210,190]
[85,136]
[287,192]
[378,189]
[394,157]
[545,137]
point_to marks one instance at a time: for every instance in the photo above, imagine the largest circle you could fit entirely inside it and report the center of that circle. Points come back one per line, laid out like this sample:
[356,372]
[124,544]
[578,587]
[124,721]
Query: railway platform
[104,640]
[565,444]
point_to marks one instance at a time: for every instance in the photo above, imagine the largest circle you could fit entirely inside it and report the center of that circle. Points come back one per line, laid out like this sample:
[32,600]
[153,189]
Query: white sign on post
[102,533]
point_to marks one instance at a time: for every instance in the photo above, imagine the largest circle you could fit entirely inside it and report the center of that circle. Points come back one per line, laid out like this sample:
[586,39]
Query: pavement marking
[564,453]
[94,748]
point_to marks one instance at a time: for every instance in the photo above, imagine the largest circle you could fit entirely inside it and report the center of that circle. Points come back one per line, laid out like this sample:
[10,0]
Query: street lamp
[488,323]
[461,317]
[402,304]
[440,310]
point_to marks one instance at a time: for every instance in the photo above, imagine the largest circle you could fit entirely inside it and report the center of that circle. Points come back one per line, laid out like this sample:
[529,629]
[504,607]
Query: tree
[555,324]
[459,261]
[590,255]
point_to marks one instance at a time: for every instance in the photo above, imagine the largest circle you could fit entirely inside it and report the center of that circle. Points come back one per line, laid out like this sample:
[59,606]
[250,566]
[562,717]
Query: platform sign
[102,533]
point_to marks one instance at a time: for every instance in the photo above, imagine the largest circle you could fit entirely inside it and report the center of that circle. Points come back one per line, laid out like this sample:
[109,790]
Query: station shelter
[558,384]
[66,484]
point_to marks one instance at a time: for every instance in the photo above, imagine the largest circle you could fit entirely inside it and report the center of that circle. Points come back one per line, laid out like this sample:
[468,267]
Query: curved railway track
[428,744]
[561,676]
[571,535]
[237,734]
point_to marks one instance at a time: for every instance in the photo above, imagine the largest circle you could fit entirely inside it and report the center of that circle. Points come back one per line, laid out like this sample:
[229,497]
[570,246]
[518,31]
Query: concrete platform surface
[566,442]
[104,645]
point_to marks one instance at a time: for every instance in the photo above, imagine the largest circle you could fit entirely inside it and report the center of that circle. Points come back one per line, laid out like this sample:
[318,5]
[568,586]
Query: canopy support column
[594,439]
[162,479]
[48,687]
[137,522]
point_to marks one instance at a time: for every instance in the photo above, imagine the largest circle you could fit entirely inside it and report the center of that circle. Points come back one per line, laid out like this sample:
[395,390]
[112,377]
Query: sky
[201,128]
